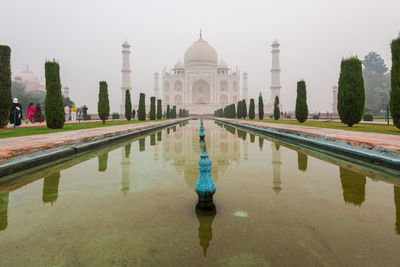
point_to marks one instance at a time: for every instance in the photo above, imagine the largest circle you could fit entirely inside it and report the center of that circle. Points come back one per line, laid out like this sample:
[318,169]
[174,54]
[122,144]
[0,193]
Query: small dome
[179,65]
[26,76]
[275,43]
[200,53]
[222,65]
[126,44]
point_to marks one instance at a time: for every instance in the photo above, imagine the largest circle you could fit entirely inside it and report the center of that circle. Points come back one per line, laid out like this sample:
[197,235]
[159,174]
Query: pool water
[133,204]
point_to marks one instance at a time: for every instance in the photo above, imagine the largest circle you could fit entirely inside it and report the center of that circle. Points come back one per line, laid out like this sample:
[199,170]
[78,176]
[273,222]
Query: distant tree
[159,109]
[277,112]
[103,106]
[55,116]
[244,109]
[373,62]
[152,108]
[168,112]
[128,106]
[239,109]
[301,102]
[252,108]
[395,92]
[351,93]
[24,98]
[5,85]
[142,107]
[260,107]
[173,112]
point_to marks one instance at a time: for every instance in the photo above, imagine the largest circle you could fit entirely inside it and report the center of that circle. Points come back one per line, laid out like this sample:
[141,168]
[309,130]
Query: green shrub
[252,108]
[315,117]
[239,109]
[152,108]
[368,117]
[395,83]
[54,111]
[168,112]
[244,109]
[128,106]
[260,107]
[301,102]
[88,117]
[159,109]
[5,85]
[351,93]
[277,112]
[103,106]
[173,112]
[115,115]
[142,107]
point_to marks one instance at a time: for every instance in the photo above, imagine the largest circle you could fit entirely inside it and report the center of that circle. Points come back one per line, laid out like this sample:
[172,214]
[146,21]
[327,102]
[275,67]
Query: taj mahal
[202,83]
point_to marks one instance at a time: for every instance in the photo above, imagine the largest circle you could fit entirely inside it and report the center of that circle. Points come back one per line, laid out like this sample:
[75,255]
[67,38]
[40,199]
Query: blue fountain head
[205,186]
[202,133]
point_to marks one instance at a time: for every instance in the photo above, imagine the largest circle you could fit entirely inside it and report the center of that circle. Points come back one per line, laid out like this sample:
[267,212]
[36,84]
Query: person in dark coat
[38,115]
[133,113]
[84,109]
[17,109]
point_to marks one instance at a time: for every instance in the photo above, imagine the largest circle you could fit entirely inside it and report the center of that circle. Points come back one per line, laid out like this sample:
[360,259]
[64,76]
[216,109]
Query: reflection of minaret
[156,86]
[302,161]
[353,185]
[103,158]
[126,75]
[50,187]
[276,166]
[126,163]
[205,218]
[397,205]
[245,89]
[246,150]
[3,211]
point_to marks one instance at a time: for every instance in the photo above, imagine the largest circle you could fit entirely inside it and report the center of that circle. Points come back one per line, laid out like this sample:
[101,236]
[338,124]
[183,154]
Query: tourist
[73,114]
[66,110]
[38,115]
[30,113]
[84,109]
[16,113]
[133,113]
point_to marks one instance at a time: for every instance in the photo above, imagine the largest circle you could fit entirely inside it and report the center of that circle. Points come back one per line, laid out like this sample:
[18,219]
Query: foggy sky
[86,36]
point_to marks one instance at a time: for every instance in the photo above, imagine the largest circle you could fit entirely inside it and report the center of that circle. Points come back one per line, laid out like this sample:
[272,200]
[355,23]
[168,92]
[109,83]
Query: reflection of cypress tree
[242,134]
[252,138]
[397,205]
[302,161]
[103,162]
[159,136]
[174,128]
[127,150]
[168,130]
[353,185]
[142,145]
[3,211]
[153,139]
[277,146]
[50,187]
[260,142]
[205,218]
[230,129]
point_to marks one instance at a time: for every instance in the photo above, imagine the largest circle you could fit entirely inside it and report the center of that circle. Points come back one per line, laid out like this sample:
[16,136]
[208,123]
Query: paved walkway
[370,140]
[38,124]
[15,146]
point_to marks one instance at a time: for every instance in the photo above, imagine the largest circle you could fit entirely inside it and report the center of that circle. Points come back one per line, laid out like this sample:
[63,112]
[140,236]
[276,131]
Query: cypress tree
[152,108]
[54,112]
[142,107]
[244,109]
[239,109]
[277,112]
[252,108]
[168,112]
[173,112]
[301,102]
[159,109]
[260,107]
[128,105]
[103,106]
[5,85]
[351,93]
[395,83]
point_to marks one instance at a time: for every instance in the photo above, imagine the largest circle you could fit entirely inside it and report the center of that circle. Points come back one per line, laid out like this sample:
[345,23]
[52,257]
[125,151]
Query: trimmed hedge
[301,102]
[142,107]
[128,106]
[252,108]
[159,109]
[152,108]
[5,85]
[260,107]
[395,83]
[54,112]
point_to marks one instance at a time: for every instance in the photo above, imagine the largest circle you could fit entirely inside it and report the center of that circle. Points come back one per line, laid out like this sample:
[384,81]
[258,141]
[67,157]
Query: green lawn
[384,129]
[17,132]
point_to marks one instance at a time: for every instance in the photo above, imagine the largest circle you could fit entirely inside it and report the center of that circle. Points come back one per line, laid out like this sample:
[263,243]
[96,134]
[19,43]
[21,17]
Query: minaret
[275,73]
[334,102]
[156,86]
[245,88]
[126,75]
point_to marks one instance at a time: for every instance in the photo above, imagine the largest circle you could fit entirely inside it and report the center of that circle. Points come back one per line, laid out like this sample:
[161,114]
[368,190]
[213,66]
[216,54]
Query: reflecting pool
[134,204]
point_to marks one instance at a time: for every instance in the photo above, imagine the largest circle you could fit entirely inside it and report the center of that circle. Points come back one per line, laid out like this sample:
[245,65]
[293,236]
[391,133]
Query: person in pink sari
[30,113]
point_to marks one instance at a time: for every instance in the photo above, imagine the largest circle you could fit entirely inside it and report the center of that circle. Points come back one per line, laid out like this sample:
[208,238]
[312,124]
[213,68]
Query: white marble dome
[179,65]
[201,54]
